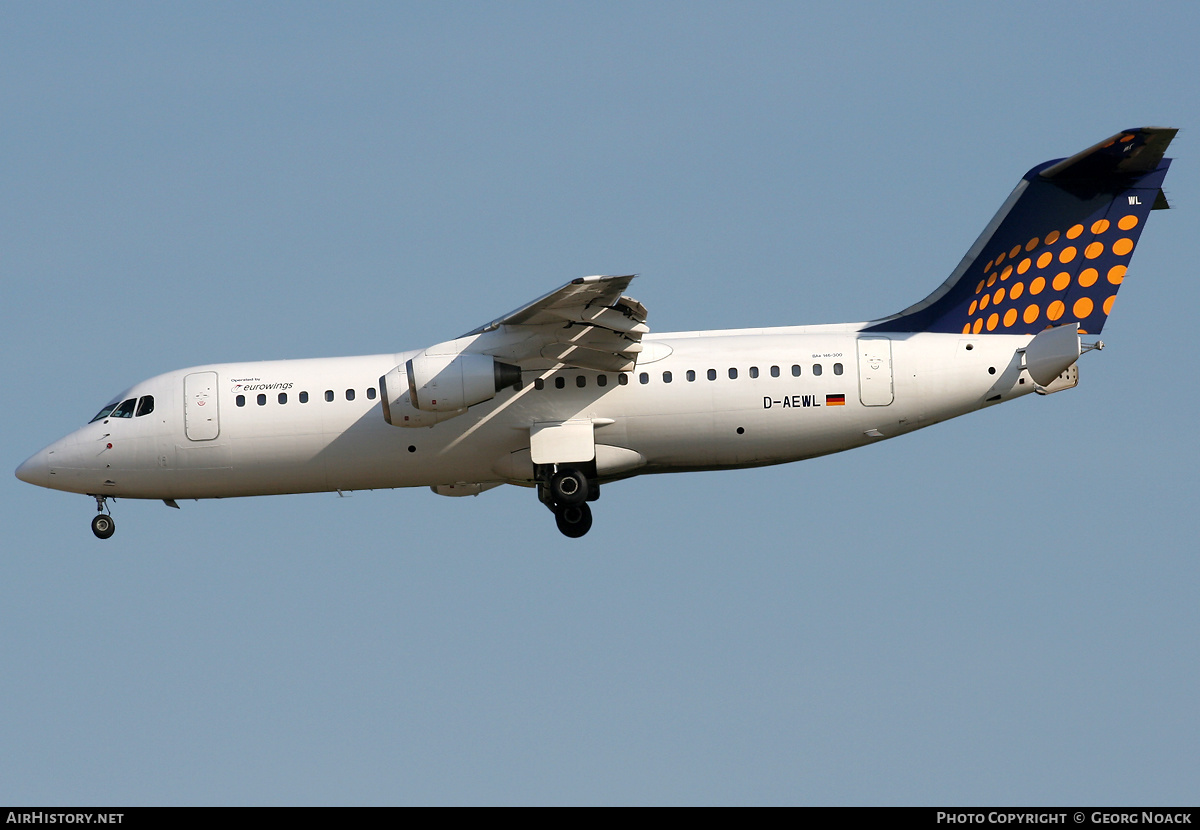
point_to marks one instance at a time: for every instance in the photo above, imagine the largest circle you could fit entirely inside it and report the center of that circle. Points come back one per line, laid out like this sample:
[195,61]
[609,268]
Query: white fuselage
[198,444]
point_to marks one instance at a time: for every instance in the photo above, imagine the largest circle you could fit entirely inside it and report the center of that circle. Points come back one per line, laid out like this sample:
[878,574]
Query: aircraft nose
[36,469]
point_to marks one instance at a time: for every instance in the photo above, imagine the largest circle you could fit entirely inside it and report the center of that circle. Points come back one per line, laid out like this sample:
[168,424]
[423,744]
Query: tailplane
[1057,251]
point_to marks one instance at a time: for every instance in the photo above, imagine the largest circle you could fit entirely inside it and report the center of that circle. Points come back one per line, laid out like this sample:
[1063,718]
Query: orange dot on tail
[1055,310]
[1127,222]
[1094,250]
[1062,281]
[1052,237]
[1108,304]
[1088,277]
[1074,231]
[1100,226]
[1116,274]
[1017,290]
[1082,308]
[1122,246]
[1031,313]
[992,321]
[1010,317]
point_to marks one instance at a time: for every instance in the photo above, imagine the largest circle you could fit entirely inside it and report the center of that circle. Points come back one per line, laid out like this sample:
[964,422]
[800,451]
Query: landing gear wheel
[569,487]
[103,526]
[574,520]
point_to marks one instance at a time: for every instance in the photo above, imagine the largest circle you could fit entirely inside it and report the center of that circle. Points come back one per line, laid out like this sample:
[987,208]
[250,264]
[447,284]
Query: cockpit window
[105,412]
[125,410]
[145,405]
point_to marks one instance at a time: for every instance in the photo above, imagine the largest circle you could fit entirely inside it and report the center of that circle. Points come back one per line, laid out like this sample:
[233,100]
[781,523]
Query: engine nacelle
[397,403]
[432,388]
[448,383]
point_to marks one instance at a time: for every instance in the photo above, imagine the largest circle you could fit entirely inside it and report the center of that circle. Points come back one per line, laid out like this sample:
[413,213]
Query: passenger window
[602,380]
[712,374]
[817,369]
[370,393]
[145,405]
[753,371]
[666,377]
[241,400]
[303,397]
[539,384]
[329,395]
[622,379]
[125,410]
[283,397]
[691,375]
[796,370]
[733,374]
[643,378]
[580,381]
[349,394]
[774,371]
[560,382]
[262,400]
[837,368]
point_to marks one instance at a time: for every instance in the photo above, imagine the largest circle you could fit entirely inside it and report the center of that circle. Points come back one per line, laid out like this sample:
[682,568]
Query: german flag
[835,400]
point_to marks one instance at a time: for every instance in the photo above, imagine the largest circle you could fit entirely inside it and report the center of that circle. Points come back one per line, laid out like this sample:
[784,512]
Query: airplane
[572,391]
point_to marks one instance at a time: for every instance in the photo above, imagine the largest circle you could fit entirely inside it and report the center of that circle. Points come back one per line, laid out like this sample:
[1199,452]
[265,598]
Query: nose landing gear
[567,491]
[102,524]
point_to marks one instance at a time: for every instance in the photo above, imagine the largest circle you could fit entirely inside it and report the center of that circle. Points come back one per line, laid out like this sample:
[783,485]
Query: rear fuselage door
[200,406]
[875,371]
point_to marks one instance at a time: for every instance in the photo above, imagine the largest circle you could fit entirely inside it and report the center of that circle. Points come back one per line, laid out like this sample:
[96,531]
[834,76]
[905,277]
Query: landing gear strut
[567,491]
[102,524]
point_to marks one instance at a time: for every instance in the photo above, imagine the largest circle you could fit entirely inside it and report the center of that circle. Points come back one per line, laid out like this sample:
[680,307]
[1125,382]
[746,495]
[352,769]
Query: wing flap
[588,323]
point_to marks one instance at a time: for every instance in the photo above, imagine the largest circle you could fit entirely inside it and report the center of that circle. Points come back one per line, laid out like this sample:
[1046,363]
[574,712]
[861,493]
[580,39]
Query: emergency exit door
[875,371]
[200,419]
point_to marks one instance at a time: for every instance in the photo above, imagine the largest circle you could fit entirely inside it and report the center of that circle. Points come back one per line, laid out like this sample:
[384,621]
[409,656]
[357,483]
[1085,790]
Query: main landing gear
[567,491]
[102,524]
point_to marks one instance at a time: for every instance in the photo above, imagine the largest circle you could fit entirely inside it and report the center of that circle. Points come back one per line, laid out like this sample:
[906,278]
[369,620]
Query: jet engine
[432,388]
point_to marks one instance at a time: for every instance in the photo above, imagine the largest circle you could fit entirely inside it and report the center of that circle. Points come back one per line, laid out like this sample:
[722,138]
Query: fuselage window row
[261,400]
[668,376]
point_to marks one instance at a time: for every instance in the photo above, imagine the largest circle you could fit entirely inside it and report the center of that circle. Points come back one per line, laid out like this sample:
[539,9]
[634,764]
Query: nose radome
[36,469]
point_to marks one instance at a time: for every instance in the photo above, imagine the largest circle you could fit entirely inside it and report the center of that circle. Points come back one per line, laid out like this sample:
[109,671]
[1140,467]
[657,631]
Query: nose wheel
[102,523]
[103,526]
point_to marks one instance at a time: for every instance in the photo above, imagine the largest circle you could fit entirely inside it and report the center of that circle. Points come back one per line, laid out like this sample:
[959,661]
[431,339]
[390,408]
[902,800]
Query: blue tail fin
[1058,249]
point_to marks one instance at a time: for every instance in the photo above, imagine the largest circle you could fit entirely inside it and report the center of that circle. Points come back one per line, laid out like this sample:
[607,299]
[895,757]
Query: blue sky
[996,610]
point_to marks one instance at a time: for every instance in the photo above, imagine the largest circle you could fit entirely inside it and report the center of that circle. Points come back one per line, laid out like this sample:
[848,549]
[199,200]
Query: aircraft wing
[588,323]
